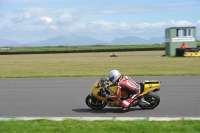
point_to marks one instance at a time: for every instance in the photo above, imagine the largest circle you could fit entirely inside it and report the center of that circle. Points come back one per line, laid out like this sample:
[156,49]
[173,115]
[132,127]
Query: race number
[150,85]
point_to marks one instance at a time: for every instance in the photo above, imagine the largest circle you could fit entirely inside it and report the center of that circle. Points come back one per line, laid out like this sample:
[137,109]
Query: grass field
[96,64]
[74,126]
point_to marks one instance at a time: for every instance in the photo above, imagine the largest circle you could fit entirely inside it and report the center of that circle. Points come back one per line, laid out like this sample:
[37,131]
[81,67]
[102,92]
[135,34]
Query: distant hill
[67,41]
[8,43]
[75,40]
[129,40]
[159,40]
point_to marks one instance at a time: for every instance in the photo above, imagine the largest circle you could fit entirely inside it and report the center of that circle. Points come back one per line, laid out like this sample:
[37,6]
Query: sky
[36,20]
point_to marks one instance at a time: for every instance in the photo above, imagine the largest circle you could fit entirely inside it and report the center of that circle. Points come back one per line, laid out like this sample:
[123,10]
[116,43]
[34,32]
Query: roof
[181,27]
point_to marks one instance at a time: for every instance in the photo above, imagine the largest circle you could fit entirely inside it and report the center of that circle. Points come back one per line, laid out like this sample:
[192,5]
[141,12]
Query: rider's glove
[106,84]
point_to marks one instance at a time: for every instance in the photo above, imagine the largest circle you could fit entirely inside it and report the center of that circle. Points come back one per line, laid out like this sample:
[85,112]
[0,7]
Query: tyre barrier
[187,52]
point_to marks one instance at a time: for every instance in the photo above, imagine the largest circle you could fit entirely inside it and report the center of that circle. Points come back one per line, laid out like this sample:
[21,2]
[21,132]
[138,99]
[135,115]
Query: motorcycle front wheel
[94,103]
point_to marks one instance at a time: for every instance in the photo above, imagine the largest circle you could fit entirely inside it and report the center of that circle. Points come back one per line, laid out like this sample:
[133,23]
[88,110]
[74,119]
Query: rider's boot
[127,103]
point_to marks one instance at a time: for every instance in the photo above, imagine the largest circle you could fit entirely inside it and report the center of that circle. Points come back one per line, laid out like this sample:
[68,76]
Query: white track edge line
[102,118]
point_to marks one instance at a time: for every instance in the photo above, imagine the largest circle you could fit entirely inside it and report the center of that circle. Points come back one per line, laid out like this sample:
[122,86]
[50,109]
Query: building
[175,36]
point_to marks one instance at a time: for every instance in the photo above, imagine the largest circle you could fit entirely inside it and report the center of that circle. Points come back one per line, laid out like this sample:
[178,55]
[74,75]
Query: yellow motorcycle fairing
[97,87]
[149,85]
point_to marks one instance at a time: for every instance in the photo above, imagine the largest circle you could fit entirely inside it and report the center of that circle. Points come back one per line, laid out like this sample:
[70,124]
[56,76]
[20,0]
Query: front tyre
[94,103]
[152,98]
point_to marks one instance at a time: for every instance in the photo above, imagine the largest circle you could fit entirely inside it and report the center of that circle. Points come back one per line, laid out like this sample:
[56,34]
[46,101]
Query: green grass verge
[79,48]
[137,63]
[74,126]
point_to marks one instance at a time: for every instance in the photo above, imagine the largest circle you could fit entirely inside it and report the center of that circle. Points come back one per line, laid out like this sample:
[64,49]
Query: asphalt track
[65,97]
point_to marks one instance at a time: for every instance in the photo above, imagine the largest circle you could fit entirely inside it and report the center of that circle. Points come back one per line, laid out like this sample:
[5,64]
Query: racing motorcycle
[148,98]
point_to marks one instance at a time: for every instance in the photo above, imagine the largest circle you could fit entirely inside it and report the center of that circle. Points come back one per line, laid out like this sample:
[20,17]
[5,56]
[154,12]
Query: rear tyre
[152,98]
[94,103]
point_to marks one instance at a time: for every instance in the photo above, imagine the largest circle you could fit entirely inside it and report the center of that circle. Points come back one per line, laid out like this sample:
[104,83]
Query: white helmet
[114,75]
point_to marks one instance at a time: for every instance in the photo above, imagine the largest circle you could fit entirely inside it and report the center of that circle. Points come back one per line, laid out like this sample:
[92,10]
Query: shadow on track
[105,110]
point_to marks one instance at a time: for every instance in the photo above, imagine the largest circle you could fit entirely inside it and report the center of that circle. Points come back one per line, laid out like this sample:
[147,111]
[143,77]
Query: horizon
[89,37]
[26,21]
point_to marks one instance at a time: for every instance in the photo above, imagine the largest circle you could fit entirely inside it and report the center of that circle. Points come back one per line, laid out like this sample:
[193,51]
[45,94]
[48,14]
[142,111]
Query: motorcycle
[148,98]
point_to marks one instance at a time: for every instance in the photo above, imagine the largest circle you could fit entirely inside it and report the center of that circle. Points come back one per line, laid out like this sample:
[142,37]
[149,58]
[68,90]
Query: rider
[124,83]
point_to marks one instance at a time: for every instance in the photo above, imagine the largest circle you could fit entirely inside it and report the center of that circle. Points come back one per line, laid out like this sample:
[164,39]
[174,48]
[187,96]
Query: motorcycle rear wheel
[94,103]
[152,98]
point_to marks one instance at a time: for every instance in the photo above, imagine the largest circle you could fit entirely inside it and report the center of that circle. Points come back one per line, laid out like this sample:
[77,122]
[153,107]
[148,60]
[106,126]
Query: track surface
[65,97]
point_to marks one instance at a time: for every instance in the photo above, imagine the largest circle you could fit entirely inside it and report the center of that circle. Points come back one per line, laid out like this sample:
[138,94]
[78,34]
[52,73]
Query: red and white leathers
[130,86]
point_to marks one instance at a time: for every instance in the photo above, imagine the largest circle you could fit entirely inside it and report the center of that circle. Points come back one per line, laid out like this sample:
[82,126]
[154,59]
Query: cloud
[26,1]
[20,16]
[149,8]
[180,23]
[106,26]
[46,19]
[2,16]
[102,23]
[100,29]
[198,22]
[3,1]
[37,22]
[65,18]
[39,15]
[129,9]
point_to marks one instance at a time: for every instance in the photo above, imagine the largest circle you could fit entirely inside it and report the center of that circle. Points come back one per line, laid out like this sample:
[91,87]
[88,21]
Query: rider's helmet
[114,75]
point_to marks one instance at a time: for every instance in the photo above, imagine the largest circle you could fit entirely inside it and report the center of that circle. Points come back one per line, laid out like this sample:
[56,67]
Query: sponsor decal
[192,53]
[183,39]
